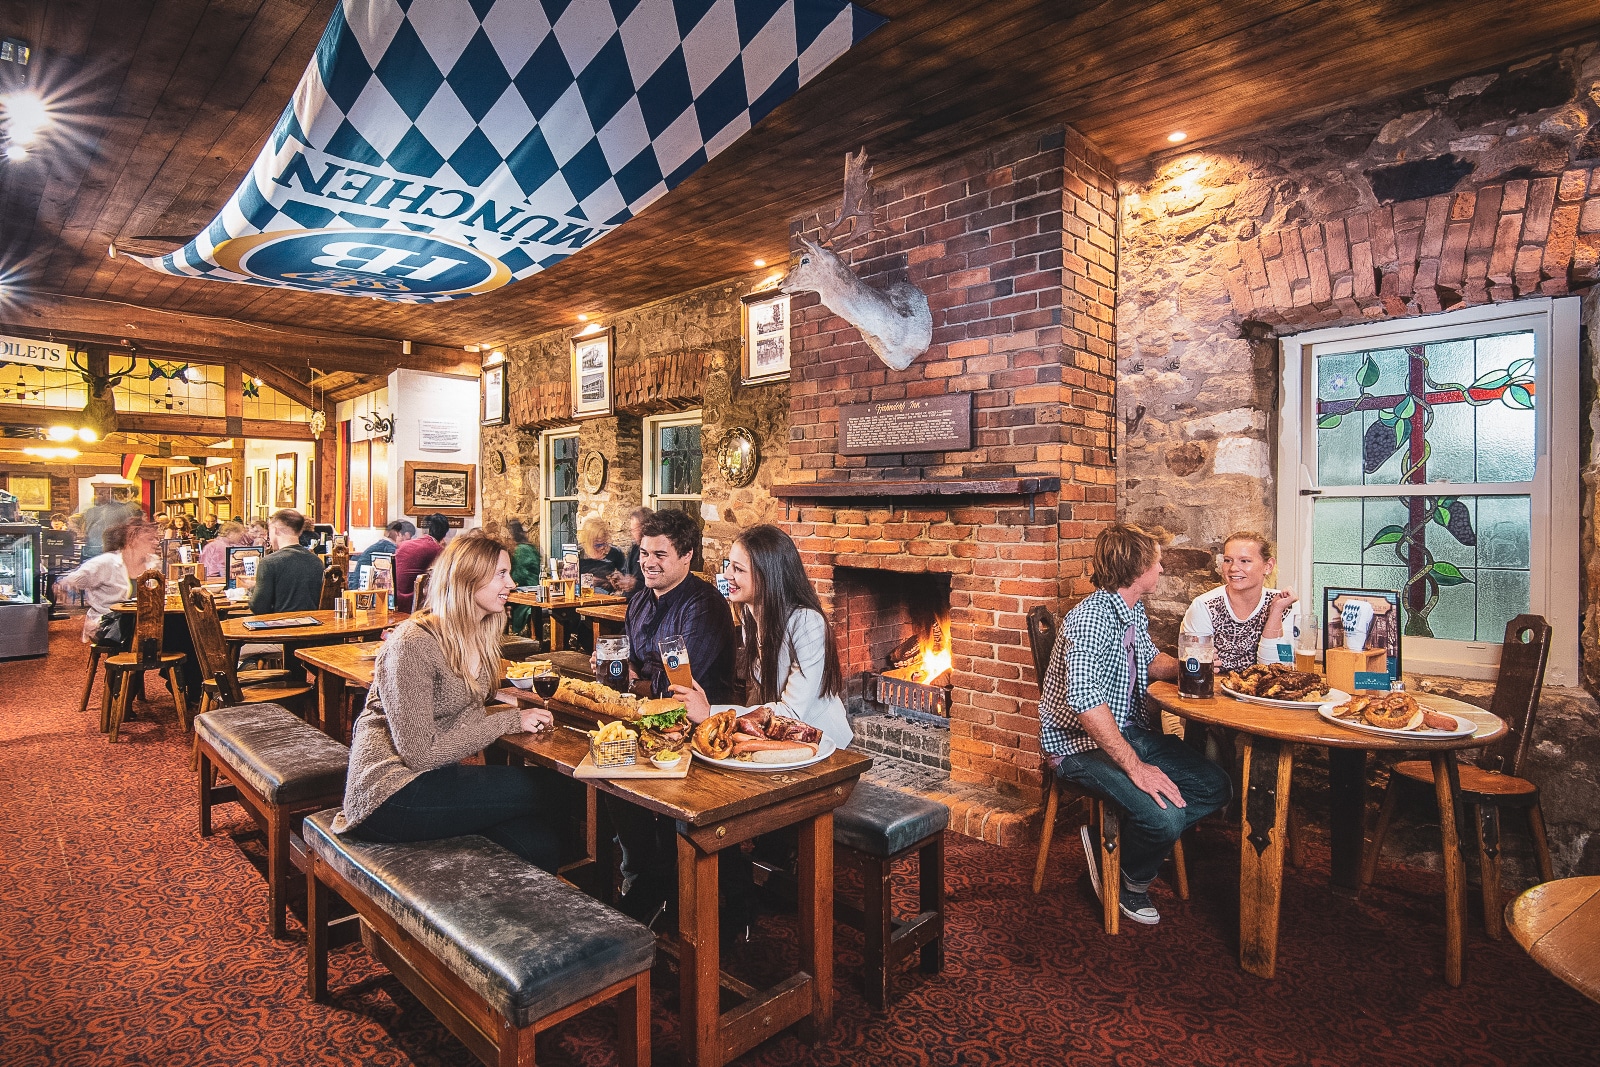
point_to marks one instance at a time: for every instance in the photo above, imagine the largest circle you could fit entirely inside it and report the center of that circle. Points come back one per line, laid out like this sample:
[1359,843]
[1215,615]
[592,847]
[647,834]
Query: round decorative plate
[738,457]
[593,472]
[499,462]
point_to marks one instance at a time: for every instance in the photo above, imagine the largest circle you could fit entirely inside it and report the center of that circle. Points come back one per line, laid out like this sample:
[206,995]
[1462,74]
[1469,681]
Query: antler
[855,208]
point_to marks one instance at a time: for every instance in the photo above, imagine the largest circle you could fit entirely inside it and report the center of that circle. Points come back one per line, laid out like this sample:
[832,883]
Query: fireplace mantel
[925,487]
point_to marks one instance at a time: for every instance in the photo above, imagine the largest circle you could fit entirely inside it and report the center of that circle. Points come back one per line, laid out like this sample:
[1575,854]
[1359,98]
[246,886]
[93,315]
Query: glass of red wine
[546,684]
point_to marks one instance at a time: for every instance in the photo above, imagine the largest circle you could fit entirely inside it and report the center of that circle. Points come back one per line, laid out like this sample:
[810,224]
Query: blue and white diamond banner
[437,149]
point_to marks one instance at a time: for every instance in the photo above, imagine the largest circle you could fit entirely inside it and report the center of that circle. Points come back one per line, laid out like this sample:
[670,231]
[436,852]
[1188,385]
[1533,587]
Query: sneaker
[1091,855]
[1137,907]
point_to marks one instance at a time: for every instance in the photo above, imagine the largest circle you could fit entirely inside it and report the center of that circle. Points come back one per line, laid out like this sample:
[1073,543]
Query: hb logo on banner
[368,262]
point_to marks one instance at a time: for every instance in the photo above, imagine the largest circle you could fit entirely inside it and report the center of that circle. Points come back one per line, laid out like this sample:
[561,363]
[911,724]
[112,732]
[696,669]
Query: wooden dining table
[1558,923]
[337,668]
[557,631]
[1270,735]
[606,617]
[326,629]
[714,810]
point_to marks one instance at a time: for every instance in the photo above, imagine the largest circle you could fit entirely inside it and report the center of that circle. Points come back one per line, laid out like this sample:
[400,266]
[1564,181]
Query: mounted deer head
[896,322]
[99,383]
[100,410]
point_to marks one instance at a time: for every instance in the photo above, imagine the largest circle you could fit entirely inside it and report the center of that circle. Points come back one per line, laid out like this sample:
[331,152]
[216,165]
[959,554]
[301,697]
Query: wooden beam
[216,340]
[282,381]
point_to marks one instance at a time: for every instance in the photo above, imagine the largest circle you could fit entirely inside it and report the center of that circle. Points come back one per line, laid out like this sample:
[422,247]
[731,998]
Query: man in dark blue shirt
[675,603]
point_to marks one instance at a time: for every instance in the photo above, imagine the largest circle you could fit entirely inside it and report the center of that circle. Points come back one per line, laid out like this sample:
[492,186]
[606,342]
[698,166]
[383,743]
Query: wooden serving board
[642,769]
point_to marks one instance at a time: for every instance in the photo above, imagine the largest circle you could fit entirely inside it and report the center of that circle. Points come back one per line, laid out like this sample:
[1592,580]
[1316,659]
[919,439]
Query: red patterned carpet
[127,939]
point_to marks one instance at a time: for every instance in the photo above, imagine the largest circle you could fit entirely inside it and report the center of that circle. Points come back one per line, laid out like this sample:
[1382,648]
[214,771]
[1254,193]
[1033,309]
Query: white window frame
[1554,492]
[547,442]
[652,441]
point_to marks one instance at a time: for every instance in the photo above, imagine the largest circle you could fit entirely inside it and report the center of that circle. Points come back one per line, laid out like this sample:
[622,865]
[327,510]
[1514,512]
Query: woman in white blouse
[788,644]
[107,579]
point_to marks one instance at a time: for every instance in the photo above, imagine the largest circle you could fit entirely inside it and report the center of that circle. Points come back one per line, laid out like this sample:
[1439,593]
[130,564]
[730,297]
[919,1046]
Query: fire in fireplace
[895,639]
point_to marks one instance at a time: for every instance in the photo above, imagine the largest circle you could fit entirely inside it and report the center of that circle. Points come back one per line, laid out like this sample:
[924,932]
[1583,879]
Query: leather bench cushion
[284,758]
[518,648]
[524,940]
[882,822]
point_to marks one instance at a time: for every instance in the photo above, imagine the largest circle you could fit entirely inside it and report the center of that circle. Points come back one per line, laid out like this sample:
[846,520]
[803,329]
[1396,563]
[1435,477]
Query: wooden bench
[872,829]
[280,768]
[498,949]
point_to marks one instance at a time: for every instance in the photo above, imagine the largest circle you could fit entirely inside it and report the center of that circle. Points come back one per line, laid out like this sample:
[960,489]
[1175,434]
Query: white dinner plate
[1332,696]
[1463,726]
[824,749]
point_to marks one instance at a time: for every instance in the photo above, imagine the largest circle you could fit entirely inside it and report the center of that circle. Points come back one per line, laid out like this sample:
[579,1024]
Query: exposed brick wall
[1015,248]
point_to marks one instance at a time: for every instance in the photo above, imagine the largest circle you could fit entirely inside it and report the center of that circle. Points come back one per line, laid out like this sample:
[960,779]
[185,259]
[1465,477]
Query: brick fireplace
[1015,249]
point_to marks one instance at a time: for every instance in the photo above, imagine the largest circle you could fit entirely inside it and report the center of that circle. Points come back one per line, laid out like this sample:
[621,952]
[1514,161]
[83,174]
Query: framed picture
[591,374]
[361,483]
[1385,632]
[263,492]
[286,466]
[445,488]
[766,337]
[32,491]
[493,385]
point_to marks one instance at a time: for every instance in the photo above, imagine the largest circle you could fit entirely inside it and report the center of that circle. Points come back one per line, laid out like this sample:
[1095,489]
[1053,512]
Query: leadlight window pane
[1456,411]
[679,461]
[1471,557]
[564,467]
[563,523]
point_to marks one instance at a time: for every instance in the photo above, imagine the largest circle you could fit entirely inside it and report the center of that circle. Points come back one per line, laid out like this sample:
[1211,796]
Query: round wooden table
[1270,734]
[1558,923]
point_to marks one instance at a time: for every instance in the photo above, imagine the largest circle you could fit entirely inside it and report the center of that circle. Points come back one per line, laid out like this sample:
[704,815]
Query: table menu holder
[1342,665]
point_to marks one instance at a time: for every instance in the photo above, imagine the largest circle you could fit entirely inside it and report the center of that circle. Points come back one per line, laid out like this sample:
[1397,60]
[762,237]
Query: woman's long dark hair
[782,588]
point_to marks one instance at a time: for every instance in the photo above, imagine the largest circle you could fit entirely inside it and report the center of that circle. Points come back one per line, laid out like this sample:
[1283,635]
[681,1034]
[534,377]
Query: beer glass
[1306,642]
[675,657]
[611,657]
[1196,653]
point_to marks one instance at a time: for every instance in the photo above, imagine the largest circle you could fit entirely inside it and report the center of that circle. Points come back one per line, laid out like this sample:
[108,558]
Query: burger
[662,713]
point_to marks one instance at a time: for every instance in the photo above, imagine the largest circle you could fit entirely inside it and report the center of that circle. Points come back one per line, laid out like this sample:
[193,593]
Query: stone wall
[673,355]
[1484,189]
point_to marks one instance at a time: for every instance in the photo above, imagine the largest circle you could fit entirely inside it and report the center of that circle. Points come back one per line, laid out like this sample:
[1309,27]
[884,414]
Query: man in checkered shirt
[1100,731]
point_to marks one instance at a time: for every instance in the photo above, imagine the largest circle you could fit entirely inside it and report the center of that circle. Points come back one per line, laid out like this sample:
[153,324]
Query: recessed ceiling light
[761,263]
[1177,135]
[582,317]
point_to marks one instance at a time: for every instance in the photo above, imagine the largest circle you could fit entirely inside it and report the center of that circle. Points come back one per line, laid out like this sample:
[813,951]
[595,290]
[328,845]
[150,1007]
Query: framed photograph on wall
[286,466]
[493,386]
[32,492]
[1385,632]
[591,374]
[445,488]
[766,337]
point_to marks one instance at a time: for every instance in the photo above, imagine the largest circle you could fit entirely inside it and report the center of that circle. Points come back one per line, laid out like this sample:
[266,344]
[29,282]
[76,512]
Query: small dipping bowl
[668,764]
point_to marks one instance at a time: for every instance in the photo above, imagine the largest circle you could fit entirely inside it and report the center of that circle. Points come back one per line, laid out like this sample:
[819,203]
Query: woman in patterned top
[1241,611]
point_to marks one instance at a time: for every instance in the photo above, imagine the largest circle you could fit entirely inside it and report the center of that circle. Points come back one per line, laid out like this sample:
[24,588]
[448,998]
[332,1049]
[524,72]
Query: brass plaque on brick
[928,424]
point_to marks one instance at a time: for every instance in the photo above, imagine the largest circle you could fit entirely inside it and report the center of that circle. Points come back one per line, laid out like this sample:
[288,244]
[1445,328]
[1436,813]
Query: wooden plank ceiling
[166,104]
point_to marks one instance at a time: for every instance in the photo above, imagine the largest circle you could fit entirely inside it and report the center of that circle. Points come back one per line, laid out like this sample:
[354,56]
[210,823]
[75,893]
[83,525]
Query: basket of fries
[614,745]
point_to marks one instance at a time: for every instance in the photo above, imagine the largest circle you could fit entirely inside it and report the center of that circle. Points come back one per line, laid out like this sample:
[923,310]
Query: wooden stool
[98,650]
[122,669]
[872,829]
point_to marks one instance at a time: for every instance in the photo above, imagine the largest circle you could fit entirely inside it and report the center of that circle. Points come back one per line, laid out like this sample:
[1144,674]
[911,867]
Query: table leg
[328,700]
[558,636]
[1447,788]
[699,962]
[815,884]
[1268,765]
[1347,804]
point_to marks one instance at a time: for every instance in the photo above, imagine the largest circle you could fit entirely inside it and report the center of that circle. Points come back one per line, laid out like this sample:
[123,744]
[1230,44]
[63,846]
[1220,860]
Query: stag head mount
[99,383]
[896,322]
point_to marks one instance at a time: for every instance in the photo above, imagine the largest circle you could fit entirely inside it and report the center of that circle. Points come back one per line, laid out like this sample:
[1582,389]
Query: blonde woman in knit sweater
[793,658]
[425,713]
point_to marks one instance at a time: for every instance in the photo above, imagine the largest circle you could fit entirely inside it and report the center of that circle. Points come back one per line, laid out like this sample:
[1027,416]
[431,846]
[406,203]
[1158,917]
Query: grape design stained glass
[1456,417]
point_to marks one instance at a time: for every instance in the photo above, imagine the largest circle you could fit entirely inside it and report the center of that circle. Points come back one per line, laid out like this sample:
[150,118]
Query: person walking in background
[415,557]
[425,714]
[524,571]
[100,518]
[632,577]
[107,579]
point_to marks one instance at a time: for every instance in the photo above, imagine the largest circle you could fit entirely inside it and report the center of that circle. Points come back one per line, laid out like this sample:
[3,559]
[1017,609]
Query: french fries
[612,731]
[528,669]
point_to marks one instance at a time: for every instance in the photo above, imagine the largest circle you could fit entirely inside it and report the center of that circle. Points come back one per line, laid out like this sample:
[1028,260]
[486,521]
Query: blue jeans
[519,808]
[1148,830]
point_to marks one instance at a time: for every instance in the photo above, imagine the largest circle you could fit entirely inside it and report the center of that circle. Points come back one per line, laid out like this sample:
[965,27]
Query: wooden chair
[1103,815]
[419,592]
[124,668]
[333,579]
[225,685]
[98,650]
[1493,782]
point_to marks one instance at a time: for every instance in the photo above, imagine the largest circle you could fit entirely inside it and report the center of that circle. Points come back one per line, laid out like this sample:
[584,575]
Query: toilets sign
[50,355]
[433,152]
